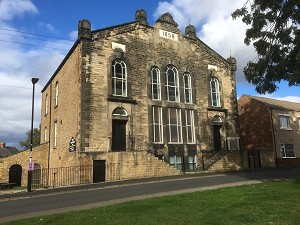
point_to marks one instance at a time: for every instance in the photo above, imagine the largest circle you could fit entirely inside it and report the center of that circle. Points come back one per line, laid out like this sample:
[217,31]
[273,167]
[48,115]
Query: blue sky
[35,35]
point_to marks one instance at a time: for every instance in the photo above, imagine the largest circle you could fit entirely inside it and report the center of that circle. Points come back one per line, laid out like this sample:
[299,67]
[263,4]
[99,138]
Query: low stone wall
[39,156]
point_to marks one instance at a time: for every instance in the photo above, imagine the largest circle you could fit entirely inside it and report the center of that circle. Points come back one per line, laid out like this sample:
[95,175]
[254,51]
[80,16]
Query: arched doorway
[15,174]
[119,121]
[217,124]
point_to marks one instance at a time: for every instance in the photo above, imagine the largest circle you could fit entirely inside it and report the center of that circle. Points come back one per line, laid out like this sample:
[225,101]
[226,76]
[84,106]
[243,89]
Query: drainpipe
[49,133]
[273,133]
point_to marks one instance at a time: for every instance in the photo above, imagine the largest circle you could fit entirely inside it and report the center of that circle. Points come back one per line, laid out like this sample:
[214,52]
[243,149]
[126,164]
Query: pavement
[253,175]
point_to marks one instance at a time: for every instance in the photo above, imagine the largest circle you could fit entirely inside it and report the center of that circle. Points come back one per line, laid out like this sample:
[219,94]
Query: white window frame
[215,95]
[188,97]
[175,86]
[155,84]
[56,93]
[284,149]
[176,161]
[284,118]
[157,124]
[177,125]
[55,134]
[122,78]
[192,159]
[190,126]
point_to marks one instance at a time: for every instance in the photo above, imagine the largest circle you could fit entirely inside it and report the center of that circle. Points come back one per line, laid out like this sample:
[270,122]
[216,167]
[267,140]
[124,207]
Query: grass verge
[275,202]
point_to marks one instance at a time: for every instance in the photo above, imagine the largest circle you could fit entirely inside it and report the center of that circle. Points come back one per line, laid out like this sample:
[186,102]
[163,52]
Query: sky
[35,36]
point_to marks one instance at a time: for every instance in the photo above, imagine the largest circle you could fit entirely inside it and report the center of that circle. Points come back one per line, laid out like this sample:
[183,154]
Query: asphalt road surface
[42,202]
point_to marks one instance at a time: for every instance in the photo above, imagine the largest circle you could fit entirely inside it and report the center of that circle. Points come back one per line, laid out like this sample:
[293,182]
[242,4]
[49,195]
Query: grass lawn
[276,202]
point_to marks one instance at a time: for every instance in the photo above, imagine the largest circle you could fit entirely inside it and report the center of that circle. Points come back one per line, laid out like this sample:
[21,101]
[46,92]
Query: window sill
[219,109]
[113,98]
[284,128]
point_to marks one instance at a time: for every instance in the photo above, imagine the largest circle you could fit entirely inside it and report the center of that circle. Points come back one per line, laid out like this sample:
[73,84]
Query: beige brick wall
[39,156]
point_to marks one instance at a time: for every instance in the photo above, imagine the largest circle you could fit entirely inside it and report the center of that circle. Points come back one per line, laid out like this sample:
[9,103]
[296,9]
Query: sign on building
[72,147]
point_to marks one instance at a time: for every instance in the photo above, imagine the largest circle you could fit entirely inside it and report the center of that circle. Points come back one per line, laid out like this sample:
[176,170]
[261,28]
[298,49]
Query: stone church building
[136,100]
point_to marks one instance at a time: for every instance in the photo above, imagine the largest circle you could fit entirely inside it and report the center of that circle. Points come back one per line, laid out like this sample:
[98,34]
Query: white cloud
[73,35]
[214,26]
[9,9]
[48,26]
[18,64]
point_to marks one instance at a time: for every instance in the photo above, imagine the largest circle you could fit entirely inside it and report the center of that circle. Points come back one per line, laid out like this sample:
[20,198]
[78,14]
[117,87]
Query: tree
[35,139]
[274,31]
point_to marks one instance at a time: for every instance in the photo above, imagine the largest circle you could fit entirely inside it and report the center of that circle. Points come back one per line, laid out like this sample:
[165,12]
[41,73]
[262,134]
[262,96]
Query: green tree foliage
[274,31]
[35,140]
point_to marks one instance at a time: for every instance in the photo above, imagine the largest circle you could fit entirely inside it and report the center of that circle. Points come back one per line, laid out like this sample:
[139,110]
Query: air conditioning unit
[233,143]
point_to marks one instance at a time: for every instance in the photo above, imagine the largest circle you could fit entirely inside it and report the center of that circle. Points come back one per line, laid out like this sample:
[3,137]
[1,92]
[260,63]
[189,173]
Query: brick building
[131,94]
[270,131]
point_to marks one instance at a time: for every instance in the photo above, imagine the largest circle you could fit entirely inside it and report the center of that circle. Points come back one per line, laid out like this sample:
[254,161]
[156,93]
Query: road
[43,202]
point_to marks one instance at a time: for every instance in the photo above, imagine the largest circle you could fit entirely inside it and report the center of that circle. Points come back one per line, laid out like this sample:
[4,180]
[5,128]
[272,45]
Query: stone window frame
[189,113]
[298,122]
[177,124]
[157,84]
[123,79]
[174,86]
[188,91]
[284,150]
[157,120]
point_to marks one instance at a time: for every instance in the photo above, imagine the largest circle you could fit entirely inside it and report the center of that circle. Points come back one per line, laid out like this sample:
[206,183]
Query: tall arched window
[215,92]
[119,78]
[155,84]
[187,82]
[56,93]
[172,84]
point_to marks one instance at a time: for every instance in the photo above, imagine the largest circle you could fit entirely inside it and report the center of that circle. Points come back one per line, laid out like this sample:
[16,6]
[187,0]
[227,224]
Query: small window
[299,122]
[46,104]
[288,151]
[187,81]
[192,162]
[55,134]
[45,134]
[56,94]
[284,122]
[215,92]
[157,125]
[119,78]
[155,84]
[174,125]
[176,161]
[172,84]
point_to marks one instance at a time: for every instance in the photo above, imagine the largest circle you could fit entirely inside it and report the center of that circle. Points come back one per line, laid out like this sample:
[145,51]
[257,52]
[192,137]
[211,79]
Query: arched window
[119,112]
[172,84]
[215,92]
[155,84]
[119,78]
[56,94]
[187,82]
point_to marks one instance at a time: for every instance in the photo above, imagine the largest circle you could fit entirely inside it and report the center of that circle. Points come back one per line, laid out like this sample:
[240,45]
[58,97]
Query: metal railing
[63,176]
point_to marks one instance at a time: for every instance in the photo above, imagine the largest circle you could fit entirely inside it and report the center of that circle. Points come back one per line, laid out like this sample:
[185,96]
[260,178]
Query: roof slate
[278,104]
